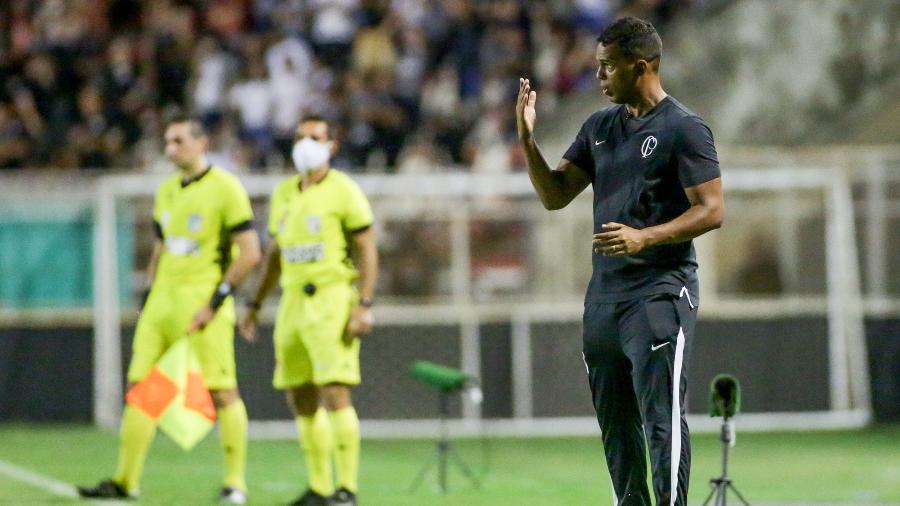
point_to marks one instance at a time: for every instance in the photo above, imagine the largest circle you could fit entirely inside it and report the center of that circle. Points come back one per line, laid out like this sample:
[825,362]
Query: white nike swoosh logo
[597,143]
[658,346]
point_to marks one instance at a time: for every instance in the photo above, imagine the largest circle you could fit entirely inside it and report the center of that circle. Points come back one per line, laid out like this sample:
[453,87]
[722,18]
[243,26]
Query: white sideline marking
[42,482]
[37,480]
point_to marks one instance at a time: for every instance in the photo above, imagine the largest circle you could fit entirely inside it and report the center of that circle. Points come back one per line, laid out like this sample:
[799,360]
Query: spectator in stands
[212,66]
[90,135]
[377,68]
[333,29]
[291,68]
[13,139]
[251,99]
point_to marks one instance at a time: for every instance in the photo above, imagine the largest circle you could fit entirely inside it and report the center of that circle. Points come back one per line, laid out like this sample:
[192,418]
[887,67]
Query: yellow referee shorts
[165,319]
[309,330]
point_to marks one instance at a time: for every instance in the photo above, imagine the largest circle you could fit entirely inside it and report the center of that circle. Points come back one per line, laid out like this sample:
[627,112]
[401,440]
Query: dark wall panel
[559,375]
[46,374]
[255,364]
[387,390]
[782,364]
[496,373]
[883,337]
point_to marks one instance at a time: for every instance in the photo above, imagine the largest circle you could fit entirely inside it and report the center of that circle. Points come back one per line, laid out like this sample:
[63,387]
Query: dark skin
[633,81]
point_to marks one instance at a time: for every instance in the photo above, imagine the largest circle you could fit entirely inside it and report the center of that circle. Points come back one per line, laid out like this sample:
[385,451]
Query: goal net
[476,275]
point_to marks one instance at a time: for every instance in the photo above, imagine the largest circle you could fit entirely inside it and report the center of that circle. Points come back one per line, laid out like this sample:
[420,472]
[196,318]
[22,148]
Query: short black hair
[317,119]
[313,117]
[197,128]
[635,37]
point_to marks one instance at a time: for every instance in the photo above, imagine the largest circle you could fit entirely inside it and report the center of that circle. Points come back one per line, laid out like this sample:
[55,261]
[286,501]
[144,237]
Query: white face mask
[309,155]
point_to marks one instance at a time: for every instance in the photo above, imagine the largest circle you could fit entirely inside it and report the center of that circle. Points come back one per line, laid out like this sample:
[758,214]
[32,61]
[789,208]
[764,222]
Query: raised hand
[525,113]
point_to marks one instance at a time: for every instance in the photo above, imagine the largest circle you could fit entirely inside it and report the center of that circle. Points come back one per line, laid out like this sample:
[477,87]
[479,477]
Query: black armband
[360,229]
[242,226]
[142,301]
[219,296]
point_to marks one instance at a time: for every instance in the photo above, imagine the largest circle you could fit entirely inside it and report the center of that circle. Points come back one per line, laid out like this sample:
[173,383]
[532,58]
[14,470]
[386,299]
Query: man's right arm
[557,187]
[154,261]
[270,274]
[150,272]
[156,252]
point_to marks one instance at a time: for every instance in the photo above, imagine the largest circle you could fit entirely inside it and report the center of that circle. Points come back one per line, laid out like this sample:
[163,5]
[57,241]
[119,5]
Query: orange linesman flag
[175,395]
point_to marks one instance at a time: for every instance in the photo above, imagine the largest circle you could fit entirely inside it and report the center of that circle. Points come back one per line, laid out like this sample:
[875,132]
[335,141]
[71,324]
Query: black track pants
[632,351]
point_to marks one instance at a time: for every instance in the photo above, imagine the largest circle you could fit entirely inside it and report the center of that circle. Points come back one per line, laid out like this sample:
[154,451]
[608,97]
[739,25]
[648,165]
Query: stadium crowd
[412,84]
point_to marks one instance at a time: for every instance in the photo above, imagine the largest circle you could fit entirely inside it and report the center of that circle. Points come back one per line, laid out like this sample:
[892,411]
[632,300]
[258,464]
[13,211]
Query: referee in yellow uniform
[317,219]
[205,245]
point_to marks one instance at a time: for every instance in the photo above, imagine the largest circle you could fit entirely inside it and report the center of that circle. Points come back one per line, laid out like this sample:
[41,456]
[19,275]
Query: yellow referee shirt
[195,221]
[312,228]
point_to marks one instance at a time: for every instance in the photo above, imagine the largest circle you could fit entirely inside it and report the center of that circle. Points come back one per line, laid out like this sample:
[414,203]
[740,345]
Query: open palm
[525,113]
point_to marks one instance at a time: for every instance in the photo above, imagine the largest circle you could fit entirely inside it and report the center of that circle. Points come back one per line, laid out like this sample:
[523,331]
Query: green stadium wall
[46,255]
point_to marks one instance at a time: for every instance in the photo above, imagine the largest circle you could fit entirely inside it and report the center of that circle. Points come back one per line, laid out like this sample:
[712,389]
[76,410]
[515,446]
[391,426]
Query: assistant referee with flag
[205,246]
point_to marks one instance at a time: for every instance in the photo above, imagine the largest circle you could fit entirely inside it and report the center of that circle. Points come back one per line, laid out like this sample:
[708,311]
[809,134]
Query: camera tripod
[721,485]
[444,453]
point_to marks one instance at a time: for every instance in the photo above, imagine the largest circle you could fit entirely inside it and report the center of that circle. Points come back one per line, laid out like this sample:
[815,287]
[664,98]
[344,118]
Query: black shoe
[106,489]
[343,497]
[231,495]
[311,498]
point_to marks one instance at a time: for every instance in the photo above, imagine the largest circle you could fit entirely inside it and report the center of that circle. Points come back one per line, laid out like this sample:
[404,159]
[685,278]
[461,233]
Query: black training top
[639,168]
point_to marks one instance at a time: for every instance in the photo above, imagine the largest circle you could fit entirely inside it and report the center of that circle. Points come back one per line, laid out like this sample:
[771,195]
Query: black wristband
[366,301]
[221,293]
[254,305]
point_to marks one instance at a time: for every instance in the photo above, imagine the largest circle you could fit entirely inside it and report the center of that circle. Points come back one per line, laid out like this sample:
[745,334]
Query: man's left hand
[201,319]
[617,240]
[360,323]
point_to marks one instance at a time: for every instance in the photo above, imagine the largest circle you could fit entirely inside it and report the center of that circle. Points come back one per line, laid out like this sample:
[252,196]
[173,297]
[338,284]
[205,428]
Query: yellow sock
[345,424]
[135,436]
[317,443]
[233,433]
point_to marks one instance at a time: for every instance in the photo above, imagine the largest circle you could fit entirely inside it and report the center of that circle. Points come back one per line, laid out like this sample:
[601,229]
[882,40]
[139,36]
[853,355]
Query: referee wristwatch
[366,301]
[222,292]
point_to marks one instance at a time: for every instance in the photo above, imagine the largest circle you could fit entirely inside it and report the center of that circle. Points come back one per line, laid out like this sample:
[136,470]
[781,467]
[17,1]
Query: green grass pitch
[846,467]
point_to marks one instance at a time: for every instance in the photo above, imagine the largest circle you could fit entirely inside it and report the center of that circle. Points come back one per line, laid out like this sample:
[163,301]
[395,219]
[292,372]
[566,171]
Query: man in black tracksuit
[656,182]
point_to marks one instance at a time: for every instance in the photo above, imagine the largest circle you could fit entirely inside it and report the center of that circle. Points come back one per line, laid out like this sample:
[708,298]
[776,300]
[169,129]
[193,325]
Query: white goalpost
[403,196]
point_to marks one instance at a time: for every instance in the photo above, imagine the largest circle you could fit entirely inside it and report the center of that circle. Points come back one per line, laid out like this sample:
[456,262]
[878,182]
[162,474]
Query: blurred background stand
[447,381]
[724,401]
